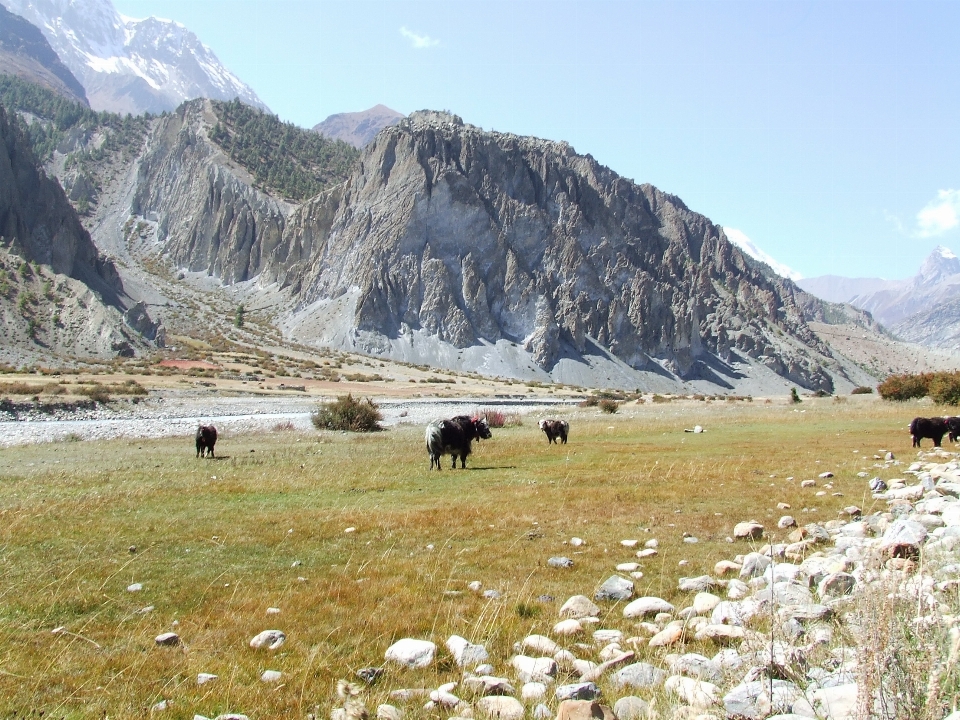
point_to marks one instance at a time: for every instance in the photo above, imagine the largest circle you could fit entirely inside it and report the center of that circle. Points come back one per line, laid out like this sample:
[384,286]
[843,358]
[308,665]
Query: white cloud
[419,42]
[740,239]
[939,215]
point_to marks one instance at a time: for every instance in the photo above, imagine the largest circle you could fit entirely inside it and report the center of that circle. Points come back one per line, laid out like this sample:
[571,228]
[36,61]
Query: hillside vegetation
[284,158]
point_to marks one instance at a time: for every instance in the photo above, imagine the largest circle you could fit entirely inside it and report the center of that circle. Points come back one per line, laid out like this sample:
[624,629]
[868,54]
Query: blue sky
[826,131]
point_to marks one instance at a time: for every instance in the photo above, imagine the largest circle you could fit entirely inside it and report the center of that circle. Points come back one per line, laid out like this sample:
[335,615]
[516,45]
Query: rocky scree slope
[478,237]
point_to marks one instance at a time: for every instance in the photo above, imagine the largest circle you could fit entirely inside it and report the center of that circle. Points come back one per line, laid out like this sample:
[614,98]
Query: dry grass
[263,525]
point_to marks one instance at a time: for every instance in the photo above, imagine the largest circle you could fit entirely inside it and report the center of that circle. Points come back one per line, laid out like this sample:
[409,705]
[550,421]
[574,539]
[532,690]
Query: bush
[608,406]
[97,393]
[346,413]
[905,387]
[944,388]
[862,390]
[497,418]
[589,402]
[794,398]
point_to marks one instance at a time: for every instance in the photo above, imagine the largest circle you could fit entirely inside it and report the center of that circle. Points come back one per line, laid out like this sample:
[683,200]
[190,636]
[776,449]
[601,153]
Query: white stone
[698,693]
[271,676]
[641,607]
[204,678]
[465,653]
[568,627]
[534,669]
[540,644]
[579,606]
[411,653]
[500,707]
[533,691]
[269,639]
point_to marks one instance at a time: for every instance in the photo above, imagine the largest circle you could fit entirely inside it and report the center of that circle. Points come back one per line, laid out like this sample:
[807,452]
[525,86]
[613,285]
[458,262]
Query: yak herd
[934,428]
[454,436]
[444,437]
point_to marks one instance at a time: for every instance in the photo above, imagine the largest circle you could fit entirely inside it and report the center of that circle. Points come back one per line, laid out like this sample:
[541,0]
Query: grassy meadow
[215,543]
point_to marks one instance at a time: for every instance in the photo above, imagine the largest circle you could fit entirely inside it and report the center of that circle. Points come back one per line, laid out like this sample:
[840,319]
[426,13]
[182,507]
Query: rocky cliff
[37,221]
[58,294]
[471,238]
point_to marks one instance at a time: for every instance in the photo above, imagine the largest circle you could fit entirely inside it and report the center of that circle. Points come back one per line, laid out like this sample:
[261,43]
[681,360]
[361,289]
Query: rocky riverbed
[176,414]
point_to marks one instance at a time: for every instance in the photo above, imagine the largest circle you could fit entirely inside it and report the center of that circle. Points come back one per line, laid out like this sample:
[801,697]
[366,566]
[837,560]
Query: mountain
[24,52]
[441,244]
[451,245]
[359,128]
[838,289]
[938,327]
[131,66]
[937,281]
[58,294]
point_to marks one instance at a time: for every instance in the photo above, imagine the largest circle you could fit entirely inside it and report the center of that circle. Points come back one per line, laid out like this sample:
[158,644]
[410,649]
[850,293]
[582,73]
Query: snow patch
[743,242]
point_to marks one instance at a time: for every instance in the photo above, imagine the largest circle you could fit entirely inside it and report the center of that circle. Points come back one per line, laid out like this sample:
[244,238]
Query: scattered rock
[411,653]
[615,588]
[751,530]
[579,606]
[466,653]
[560,562]
[577,691]
[642,607]
[500,707]
[269,639]
[167,639]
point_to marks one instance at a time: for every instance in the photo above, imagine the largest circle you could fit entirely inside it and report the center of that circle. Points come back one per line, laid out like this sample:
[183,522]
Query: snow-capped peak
[740,239]
[940,263]
[131,65]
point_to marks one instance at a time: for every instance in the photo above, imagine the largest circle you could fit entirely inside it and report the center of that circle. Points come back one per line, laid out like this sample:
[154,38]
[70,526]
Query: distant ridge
[359,128]
[25,52]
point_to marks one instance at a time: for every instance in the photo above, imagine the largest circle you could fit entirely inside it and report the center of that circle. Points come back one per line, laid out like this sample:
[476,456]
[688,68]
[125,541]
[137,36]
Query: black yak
[953,428]
[554,429]
[206,439]
[933,428]
[453,437]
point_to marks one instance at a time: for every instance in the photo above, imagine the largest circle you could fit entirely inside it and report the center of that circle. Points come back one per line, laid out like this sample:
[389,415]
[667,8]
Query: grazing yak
[933,428]
[206,439]
[554,429]
[453,437]
[953,428]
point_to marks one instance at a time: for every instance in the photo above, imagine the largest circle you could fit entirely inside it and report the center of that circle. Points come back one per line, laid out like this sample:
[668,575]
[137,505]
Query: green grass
[219,541]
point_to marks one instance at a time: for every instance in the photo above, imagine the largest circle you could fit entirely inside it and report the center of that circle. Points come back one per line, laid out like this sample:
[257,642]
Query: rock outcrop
[38,223]
[477,237]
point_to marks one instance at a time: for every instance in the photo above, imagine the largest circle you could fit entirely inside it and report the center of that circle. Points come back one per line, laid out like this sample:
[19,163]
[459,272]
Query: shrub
[862,390]
[944,388]
[608,406]
[794,398]
[589,402]
[497,418]
[347,413]
[905,387]
[97,392]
